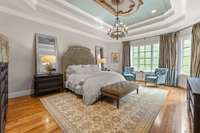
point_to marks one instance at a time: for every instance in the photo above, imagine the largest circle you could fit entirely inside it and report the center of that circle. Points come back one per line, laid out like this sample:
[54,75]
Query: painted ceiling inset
[143,13]
[126,7]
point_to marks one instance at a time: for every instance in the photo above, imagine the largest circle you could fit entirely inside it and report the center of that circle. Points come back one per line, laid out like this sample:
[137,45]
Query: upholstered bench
[119,90]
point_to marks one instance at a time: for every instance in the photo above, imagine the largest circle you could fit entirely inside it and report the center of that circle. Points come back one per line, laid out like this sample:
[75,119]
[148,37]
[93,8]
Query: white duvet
[93,82]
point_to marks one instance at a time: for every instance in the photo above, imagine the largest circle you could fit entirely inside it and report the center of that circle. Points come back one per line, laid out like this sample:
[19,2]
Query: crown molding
[166,15]
[32,3]
[157,29]
[66,16]
[151,26]
[47,22]
[76,9]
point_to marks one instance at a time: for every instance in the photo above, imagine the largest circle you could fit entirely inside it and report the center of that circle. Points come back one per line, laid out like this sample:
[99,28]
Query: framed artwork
[115,57]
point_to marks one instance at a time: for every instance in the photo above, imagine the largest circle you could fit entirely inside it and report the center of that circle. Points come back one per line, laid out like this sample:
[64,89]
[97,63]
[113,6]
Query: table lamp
[48,61]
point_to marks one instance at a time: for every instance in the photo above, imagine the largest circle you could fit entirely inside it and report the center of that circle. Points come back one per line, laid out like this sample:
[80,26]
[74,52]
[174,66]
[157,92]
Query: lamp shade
[101,61]
[48,59]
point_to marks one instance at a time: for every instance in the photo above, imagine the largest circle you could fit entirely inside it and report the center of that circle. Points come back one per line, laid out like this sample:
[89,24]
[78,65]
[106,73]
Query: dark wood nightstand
[44,83]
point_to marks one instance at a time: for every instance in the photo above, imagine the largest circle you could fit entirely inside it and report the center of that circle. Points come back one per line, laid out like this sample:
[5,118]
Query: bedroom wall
[21,42]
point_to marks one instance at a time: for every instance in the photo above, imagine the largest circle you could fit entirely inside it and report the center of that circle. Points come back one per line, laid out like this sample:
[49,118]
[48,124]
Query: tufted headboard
[76,55]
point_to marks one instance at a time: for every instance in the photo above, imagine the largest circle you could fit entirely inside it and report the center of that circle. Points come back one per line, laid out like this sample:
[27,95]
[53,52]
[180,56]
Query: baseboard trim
[19,93]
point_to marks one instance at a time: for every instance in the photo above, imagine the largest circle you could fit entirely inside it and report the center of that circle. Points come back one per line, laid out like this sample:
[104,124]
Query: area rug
[136,113]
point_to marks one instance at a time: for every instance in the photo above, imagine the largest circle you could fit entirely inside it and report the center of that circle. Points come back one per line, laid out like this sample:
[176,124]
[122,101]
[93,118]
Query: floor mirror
[46,54]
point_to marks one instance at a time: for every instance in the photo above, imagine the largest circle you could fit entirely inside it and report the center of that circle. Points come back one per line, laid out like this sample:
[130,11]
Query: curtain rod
[165,33]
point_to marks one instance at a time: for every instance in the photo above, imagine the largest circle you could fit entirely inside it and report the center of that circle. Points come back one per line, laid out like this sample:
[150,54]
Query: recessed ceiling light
[154,11]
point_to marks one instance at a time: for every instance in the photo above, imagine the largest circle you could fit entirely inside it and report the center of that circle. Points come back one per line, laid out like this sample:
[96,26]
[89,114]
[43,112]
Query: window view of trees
[186,56]
[145,57]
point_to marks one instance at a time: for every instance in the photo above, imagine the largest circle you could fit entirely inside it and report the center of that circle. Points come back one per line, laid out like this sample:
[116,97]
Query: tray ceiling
[143,13]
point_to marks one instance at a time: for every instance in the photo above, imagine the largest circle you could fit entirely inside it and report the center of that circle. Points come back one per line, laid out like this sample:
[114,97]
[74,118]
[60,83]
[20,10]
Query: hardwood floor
[27,115]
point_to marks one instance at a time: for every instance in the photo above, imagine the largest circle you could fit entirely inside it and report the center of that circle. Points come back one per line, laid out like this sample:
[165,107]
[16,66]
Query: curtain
[195,57]
[168,57]
[126,54]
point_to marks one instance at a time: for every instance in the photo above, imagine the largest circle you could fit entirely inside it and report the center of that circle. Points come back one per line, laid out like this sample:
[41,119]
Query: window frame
[152,58]
[183,54]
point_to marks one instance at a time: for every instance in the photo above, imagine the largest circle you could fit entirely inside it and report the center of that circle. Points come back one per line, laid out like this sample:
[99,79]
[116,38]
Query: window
[145,57]
[186,56]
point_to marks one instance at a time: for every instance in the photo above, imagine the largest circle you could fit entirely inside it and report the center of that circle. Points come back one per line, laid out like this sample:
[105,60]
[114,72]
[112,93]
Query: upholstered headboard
[77,55]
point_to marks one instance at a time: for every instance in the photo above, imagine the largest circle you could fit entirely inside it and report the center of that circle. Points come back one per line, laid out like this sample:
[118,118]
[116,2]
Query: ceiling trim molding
[68,5]
[46,22]
[101,22]
[32,3]
[44,6]
[166,15]
[156,28]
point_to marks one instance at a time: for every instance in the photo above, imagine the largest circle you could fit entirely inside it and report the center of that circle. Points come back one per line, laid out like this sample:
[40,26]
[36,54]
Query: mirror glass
[46,54]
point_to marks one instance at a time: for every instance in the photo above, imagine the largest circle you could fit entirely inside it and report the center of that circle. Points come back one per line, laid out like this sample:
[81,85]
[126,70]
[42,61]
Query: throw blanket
[94,82]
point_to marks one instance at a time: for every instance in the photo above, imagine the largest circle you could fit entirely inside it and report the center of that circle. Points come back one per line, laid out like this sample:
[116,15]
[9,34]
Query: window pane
[147,67]
[148,61]
[156,47]
[186,61]
[148,54]
[135,55]
[148,48]
[187,51]
[155,54]
[141,54]
[145,57]
[135,50]
[141,60]
[142,67]
[135,60]
[186,55]
[142,48]
[155,60]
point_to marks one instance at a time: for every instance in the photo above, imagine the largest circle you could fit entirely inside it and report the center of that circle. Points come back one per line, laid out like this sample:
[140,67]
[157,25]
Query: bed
[83,77]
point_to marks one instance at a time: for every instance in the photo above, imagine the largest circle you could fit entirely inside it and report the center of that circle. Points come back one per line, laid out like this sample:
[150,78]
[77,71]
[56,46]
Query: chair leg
[137,90]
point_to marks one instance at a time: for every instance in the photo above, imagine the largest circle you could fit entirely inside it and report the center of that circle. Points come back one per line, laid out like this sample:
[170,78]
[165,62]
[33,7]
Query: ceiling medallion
[127,7]
[118,30]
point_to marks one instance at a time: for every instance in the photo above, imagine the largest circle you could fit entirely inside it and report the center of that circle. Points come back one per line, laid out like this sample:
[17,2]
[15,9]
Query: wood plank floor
[27,115]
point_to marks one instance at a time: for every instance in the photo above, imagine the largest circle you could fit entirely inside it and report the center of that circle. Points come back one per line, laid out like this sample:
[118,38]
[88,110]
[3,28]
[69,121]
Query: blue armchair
[158,77]
[129,73]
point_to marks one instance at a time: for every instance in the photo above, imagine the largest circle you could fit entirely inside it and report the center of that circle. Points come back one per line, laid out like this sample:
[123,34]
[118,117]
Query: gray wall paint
[21,42]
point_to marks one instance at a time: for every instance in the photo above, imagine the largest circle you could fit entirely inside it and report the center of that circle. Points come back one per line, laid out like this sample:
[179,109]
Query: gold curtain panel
[126,7]
[4,50]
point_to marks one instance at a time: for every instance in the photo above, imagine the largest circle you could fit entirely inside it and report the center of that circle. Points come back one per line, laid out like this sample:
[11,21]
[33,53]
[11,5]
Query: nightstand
[44,83]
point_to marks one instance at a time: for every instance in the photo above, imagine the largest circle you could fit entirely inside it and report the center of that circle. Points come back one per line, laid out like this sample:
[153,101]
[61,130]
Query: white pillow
[82,69]
[72,69]
[91,68]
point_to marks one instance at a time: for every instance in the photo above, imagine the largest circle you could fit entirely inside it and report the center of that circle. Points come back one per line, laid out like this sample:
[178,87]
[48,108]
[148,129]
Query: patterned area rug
[136,113]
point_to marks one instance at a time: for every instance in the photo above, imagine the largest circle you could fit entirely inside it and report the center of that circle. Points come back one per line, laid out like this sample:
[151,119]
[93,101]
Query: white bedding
[89,85]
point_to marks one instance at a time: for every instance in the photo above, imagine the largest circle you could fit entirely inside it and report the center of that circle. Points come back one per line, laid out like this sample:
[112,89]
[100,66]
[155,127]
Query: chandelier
[118,30]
